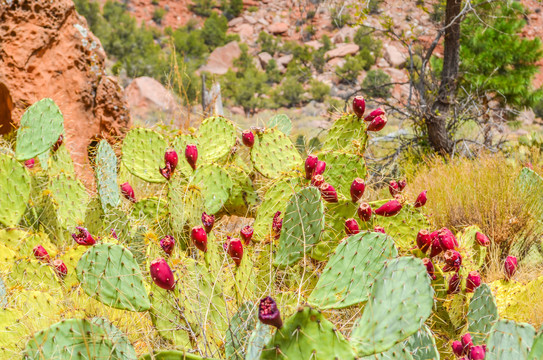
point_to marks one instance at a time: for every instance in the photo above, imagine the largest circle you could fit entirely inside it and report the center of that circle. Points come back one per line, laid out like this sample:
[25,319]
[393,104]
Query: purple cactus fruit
[421,199]
[429,268]
[199,238]
[379,229]
[364,212]
[317,180]
[378,123]
[60,268]
[359,106]
[454,284]
[277,224]
[310,165]
[167,243]
[351,227]
[166,172]
[59,142]
[357,189]
[319,168]
[41,254]
[30,163]
[191,154]
[453,260]
[372,115]
[447,240]
[476,353]
[128,192]
[268,313]
[171,159]
[84,237]
[510,266]
[208,221]
[473,281]
[390,208]
[424,240]
[435,248]
[393,188]
[328,193]
[457,348]
[482,239]
[235,250]
[467,343]
[402,184]
[246,234]
[248,138]
[162,274]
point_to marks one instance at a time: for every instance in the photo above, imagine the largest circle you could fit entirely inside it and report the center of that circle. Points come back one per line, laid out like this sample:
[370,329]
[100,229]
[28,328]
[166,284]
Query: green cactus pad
[215,184]
[260,336]
[302,226]
[74,339]
[59,163]
[388,319]
[342,169]
[41,125]
[422,345]
[23,242]
[8,258]
[243,195]
[151,209]
[106,176]
[143,154]
[273,154]
[11,332]
[3,294]
[186,204]
[241,325]
[352,269]
[110,274]
[537,348]
[34,275]
[473,254]
[122,348]
[397,352]
[172,355]
[348,133]
[69,198]
[180,144]
[14,190]
[216,136]
[71,257]
[281,122]
[509,340]
[482,314]
[43,159]
[307,335]
[42,309]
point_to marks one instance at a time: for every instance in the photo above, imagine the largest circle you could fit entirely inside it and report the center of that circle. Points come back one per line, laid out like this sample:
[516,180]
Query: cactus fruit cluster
[148,264]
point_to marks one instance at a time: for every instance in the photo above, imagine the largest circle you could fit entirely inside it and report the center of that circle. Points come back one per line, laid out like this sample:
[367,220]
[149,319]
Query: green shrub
[214,30]
[350,70]
[289,92]
[299,71]
[158,15]
[300,52]
[202,7]
[377,84]
[268,43]
[538,109]
[373,6]
[273,73]
[370,48]
[319,90]
[319,60]
[155,2]
[231,8]
[340,16]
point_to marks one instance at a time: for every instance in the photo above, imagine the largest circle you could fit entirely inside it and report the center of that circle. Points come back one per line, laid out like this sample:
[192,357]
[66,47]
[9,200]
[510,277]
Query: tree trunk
[436,122]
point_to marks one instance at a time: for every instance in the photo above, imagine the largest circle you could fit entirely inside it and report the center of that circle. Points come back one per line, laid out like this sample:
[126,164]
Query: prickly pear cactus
[348,133]
[106,176]
[482,314]
[12,330]
[215,184]
[352,269]
[273,154]
[34,275]
[509,340]
[397,352]
[537,347]
[122,348]
[60,162]
[341,169]
[186,204]
[143,154]
[14,190]
[180,144]
[150,210]
[243,195]
[281,122]
[422,345]
[260,336]
[3,294]
[239,331]
[41,125]
[69,199]
[216,137]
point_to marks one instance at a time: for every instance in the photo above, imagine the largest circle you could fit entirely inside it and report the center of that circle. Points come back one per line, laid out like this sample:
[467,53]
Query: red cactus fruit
[277,224]
[248,138]
[390,208]
[421,199]
[328,193]
[84,237]
[393,187]
[235,250]
[317,180]
[379,229]
[59,142]
[167,243]
[435,248]
[208,221]
[246,234]
[41,254]
[453,260]
[447,240]
[310,165]
[113,234]
[482,239]
[457,348]
[467,343]
[477,353]
[199,238]
[60,268]
[424,241]
[510,266]
[357,189]
[359,106]
[473,281]
[372,115]
[364,212]
[171,159]
[429,268]
[268,313]
[166,172]
[191,154]
[378,123]
[162,274]
[319,168]
[454,284]
[402,184]
[351,227]
[128,192]
[30,163]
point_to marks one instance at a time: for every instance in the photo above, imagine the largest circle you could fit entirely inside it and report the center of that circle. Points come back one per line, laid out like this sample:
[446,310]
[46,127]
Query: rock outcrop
[47,50]
[222,58]
[146,96]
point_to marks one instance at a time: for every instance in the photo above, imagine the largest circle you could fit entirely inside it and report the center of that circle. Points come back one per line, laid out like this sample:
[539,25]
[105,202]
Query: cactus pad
[397,352]
[342,169]
[509,340]
[257,341]
[69,199]
[122,348]
[273,153]
[482,314]
[216,136]
[180,144]
[34,275]
[11,332]
[422,345]
[3,294]
[281,122]
[239,331]
[348,133]
[537,348]
[215,184]
[151,209]
[58,163]
[185,203]
[243,195]
[106,176]
[14,190]
[143,154]
[41,125]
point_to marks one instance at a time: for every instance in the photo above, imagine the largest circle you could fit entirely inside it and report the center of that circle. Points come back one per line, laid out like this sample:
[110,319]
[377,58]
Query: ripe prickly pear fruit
[84,237]
[162,274]
[268,313]
[476,353]
[235,250]
[447,240]
[454,284]
[208,221]
[310,165]
[351,227]
[424,240]
[357,189]
[457,348]
[277,224]
[473,281]
[435,248]
[378,123]
[482,239]
[467,343]
[166,172]
[199,238]
[390,208]
[328,193]
[379,229]
[393,188]
[128,192]
[248,138]
[510,266]
[59,142]
[359,106]
[317,180]
[191,154]
[402,184]
[171,159]
[319,168]
[113,234]
[453,261]
[246,234]
[429,268]
[421,199]
[30,163]
[60,268]
[372,115]
[364,212]
[167,243]
[41,254]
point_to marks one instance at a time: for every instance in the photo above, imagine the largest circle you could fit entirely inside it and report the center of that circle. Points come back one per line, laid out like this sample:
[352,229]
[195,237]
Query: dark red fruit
[319,168]
[372,115]
[357,189]
[510,266]
[161,274]
[393,187]
[60,268]
[378,123]
[390,208]
[59,142]
[328,193]
[351,227]
[84,237]
[208,221]
[310,165]
[421,199]
[30,163]
[268,313]
[248,138]
[473,281]
[402,184]
[379,229]
[457,348]
[453,261]
[191,154]
[482,239]
[199,238]
[424,240]
[317,180]
[41,254]
[235,250]
[246,234]
[171,159]
[277,224]
[167,243]
[359,106]
[454,284]
[364,212]
[128,192]
[429,268]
